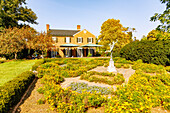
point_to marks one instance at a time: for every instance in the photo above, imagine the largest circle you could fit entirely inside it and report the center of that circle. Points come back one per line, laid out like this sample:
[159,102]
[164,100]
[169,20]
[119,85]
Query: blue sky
[90,14]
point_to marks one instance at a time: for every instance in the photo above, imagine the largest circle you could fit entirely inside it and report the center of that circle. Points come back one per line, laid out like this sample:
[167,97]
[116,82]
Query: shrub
[126,66]
[167,68]
[157,52]
[118,65]
[38,63]
[12,91]
[111,79]
[2,60]
[89,55]
[41,101]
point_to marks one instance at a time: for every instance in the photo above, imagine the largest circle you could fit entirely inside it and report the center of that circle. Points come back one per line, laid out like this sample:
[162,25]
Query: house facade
[72,43]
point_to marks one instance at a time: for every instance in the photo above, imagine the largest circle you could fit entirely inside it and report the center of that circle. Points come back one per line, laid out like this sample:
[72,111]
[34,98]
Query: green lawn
[10,70]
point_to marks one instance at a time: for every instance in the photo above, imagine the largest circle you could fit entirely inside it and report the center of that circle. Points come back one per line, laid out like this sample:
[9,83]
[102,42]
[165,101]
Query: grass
[12,69]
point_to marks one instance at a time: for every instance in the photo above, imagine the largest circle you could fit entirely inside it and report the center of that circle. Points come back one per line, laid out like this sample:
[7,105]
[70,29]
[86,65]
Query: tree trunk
[42,54]
[15,56]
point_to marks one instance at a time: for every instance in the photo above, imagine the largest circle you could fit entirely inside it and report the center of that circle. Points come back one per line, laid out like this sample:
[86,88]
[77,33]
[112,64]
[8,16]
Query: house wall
[84,35]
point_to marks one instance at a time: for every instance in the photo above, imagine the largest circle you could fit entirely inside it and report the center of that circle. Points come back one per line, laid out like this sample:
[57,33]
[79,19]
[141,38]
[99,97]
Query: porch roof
[69,45]
[91,45]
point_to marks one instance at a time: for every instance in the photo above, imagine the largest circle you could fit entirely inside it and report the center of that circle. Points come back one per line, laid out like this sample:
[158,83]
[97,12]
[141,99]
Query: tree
[43,42]
[112,30]
[144,38]
[13,11]
[12,41]
[158,35]
[164,18]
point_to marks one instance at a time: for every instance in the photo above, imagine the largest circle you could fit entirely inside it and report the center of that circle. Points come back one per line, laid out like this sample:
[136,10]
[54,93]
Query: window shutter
[56,40]
[65,39]
[70,39]
[87,40]
[77,40]
[92,40]
[82,40]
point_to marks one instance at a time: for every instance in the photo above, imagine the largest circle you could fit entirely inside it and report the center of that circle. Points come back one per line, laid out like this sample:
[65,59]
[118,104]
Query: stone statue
[111,67]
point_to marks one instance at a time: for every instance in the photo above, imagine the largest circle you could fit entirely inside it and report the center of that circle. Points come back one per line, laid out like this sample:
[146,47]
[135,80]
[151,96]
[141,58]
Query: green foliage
[89,55]
[41,101]
[13,11]
[167,68]
[163,18]
[142,92]
[38,63]
[72,68]
[156,52]
[65,100]
[12,91]
[102,77]
[158,35]
[118,65]
[149,68]
[2,60]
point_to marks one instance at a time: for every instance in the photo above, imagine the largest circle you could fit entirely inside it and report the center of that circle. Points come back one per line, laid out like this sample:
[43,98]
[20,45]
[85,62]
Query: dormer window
[90,40]
[80,40]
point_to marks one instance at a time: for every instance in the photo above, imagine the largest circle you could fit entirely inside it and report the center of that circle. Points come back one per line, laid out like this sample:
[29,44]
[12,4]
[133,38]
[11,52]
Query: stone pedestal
[111,67]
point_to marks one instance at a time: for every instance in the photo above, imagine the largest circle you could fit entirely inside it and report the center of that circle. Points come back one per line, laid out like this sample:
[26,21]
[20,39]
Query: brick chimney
[78,27]
[47,27]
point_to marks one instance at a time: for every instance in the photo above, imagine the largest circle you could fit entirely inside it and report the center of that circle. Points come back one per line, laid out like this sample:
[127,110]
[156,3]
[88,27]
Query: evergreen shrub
[157,52]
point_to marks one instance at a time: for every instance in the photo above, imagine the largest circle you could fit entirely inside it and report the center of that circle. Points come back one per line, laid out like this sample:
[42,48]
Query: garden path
[126,73]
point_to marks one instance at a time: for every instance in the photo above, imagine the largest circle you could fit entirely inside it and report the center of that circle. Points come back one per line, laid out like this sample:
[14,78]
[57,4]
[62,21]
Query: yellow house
[72,43]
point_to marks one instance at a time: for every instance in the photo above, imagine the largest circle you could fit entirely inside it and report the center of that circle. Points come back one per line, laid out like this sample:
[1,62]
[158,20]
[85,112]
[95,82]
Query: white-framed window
[80,40]
[67,39]
[54,39]
[90,40]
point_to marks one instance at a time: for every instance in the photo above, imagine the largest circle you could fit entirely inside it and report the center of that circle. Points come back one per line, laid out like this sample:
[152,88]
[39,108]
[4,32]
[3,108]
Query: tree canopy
[164,18]
[13,11]
[158,35]
[13,40]
[112,30]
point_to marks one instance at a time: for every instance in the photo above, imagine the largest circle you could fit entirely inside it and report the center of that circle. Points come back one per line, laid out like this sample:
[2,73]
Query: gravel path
[126,73]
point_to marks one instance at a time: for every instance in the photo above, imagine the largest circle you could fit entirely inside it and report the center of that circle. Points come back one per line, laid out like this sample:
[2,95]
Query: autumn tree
[13,11]
[112,30]
[12,41]
[164,18]
[43,42]
[158,35]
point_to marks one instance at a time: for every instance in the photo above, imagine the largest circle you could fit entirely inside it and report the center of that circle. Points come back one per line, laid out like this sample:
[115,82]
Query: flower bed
[142,92]
[80,87]
[111,78]
[148,68]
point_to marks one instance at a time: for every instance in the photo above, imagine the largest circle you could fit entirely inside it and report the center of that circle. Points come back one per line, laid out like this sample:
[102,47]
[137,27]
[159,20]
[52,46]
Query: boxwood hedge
[12,91]
[157,52]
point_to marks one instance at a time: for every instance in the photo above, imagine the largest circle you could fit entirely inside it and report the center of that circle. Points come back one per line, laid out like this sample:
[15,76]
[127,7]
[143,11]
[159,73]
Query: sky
[90,14]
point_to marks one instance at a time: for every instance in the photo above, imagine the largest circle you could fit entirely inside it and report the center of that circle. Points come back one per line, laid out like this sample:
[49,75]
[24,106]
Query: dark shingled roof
[57,32]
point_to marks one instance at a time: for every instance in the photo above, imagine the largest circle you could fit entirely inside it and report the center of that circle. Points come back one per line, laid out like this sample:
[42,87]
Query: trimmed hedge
[157,52]
[38,63]
[12,91]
